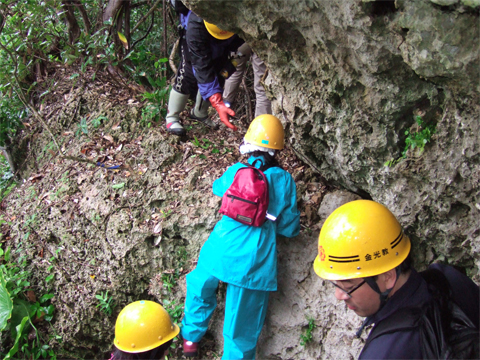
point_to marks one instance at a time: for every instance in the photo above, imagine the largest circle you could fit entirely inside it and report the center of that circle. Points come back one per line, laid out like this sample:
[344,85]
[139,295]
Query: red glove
[222,110]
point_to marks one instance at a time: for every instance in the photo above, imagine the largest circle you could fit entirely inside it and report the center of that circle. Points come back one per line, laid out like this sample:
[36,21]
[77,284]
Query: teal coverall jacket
[244,255]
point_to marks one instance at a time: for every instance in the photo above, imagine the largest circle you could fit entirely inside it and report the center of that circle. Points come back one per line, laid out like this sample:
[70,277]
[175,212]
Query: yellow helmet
[360,239]
[267,131]
[218,33]
[142,326]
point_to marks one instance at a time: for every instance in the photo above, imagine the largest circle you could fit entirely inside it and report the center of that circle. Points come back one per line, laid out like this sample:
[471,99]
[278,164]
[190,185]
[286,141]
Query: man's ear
[389,278]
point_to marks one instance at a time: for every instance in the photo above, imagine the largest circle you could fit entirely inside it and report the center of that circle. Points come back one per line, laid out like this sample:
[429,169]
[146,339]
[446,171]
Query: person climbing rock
[143,330]
[185,85]
[204,63]
[365,256]
[243,256]
[262,104]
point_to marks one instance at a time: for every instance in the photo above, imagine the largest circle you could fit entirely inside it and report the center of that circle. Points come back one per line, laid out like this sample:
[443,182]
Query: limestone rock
[333,200]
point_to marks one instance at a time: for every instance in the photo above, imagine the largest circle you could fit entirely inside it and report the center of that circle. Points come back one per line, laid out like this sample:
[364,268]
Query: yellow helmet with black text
[360,239]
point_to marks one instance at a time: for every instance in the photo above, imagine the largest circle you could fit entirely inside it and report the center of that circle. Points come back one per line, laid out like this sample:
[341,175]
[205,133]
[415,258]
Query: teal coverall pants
[245,312]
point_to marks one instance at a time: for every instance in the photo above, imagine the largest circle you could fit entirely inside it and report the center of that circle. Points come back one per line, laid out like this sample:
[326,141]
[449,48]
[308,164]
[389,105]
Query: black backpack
[446,331]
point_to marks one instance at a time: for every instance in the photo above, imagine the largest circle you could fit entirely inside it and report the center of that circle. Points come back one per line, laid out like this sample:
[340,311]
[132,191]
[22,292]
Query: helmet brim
[331,272]
[175,332]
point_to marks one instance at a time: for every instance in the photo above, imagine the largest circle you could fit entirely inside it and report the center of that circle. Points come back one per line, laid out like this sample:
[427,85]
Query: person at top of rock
[143,330]
[241,255]
[365,256]
[232,84]
[205,63]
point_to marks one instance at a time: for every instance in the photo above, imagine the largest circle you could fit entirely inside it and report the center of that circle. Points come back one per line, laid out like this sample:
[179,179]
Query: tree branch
[73,28]
[84,14]
[23,98]
[172,55]
[111,9]
[146,15]
[165,54]
[144,36]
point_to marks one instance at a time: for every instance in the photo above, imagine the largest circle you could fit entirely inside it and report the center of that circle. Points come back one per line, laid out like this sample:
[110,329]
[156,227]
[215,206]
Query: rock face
[349,79]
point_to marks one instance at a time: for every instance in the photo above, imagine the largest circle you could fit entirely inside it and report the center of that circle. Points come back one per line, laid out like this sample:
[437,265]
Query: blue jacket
[244,255]
[407,344]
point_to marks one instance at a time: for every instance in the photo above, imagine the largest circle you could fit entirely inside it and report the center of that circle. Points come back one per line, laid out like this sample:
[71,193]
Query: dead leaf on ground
[30,295]
[108,138]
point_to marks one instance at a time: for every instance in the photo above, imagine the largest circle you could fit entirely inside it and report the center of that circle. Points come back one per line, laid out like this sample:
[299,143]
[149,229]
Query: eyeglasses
[349,292]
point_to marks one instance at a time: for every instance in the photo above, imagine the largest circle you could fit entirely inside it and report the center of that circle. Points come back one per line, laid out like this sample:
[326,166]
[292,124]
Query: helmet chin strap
[383,296]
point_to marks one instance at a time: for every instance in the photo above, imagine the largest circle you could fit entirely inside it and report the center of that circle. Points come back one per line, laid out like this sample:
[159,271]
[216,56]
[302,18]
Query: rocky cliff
[355,82]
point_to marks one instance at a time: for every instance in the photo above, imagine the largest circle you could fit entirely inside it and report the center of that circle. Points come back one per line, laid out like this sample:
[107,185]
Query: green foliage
[31,28]
[166,213]
[30,221]
[307,336]
[35,38]
[105,303]
[415,139]
[118,186]
[98,121]
[157,100]
[19,315]
[206,144]
[12,111]
[7,180]
[82,128]
[174,309]
[6,303]
[169,281]
[418,139]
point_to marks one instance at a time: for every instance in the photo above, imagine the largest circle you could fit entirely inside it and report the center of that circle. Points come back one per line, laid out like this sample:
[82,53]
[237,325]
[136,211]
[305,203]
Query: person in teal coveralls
[243,256]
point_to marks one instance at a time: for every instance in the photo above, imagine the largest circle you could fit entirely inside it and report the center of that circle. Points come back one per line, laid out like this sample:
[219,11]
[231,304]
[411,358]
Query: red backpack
[246,200]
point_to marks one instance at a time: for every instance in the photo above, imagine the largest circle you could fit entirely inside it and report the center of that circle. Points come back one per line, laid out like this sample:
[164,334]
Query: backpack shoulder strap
[437,282]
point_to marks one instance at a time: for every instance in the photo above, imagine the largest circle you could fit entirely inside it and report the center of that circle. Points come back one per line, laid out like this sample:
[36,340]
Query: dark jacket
[414,293]
[208,55]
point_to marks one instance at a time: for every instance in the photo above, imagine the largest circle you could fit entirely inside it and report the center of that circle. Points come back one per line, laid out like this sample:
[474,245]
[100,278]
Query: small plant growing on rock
[166,213]
[415,139]
[307,336]
[105,303]
[418,139]
[169,281]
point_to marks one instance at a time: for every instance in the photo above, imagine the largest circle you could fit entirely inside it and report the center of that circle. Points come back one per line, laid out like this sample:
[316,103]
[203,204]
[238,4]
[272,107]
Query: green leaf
[6,304]
[14,348]
[46,297]
[49,277]
[123,39]
[7,254]
[118,186]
